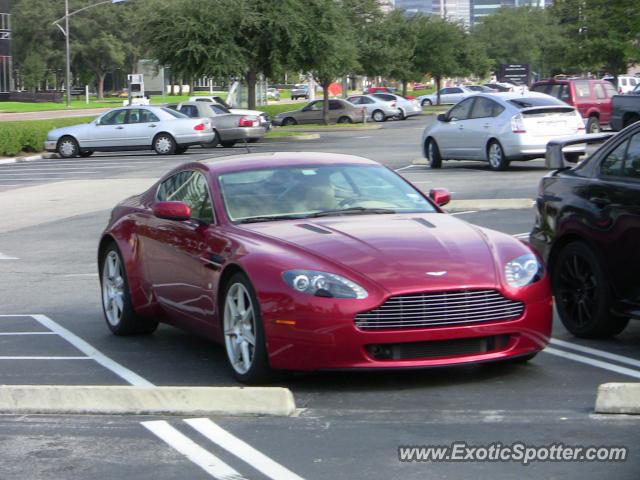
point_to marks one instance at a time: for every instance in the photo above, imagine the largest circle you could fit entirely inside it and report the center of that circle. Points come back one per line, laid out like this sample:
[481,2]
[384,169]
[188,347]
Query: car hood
[401,252]
[74,130]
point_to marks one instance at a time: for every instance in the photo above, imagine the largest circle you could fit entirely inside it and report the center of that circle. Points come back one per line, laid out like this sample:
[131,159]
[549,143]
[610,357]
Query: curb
[33,158]
[295,138]
[128,400]
[620,398]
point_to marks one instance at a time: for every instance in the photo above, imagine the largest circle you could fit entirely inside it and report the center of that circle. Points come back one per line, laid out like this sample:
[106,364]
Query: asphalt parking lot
[349,424]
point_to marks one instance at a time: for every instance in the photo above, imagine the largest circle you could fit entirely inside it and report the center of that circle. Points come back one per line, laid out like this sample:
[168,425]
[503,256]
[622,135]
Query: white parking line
[45,358]
[194,452]
[2,174]
[26,333]
[464,213]
[406,168]
[594,363]
[242,450]
[598,353]
[65,169]
[7,257]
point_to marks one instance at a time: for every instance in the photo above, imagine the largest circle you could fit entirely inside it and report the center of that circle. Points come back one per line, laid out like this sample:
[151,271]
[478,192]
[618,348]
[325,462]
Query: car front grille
[438,348]
[423,310]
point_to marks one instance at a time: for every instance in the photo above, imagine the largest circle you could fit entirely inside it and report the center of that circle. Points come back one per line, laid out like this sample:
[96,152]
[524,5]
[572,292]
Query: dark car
[588,230]
[625,110]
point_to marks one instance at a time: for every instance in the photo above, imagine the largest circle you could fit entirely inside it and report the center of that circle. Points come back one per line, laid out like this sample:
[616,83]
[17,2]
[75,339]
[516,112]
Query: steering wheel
[287,190]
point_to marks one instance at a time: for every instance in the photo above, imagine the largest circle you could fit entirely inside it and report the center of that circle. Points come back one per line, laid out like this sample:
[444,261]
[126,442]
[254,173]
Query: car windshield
[174,113]
[527,102]
[313,191]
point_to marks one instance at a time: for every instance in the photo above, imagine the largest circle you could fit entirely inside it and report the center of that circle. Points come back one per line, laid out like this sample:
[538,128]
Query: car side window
[117,117]
[316,106]
[189,111]
[355,100]
[483,108]
[191,188]
[632,159]
[583,89]
[141,116]
[599,91]
[612,166]
[203,100]
[610,89]
[461,111]
[366,101]
[335,105]
[455,90]
[445,91]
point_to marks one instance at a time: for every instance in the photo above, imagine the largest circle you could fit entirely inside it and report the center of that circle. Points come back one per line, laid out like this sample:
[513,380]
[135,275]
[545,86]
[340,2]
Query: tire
[86,153]
[593,125]
[582,294]
[238,330]
[572,157]
[164,144]
[496,158]
[67,147]
[214,143]
[426,102]
[118,310]
[180,150]
[228,143]
[378,116]
[345,120]
[630,120]
[432,152]
[289,121]
[401,115]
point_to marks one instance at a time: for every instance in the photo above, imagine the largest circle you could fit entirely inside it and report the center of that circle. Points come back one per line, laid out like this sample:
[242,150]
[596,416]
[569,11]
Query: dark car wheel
[583,295]
[164,144]
[116,301]
[426,102]
[496,157]
[434,160]
[289,121]
[593,125]
[378,116]
[345,120]
[244,338]
[228,143]
[86,153]
[68,147]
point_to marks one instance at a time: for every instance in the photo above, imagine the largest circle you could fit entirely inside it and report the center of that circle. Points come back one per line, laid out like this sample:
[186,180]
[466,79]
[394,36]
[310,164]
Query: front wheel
[426,102]
[68,147]
[401,115]
[116,300]
[378,116]
[289,121]
[244,337]
[496,157]
[434,159]
[344,120]
[164,144]
[582,294]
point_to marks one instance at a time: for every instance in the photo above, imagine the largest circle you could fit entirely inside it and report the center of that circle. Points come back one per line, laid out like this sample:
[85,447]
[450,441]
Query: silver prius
[132,128]
[501,127]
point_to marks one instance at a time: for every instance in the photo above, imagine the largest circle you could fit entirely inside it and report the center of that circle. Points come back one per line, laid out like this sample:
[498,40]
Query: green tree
[34,71]
[328,49]
[101,54]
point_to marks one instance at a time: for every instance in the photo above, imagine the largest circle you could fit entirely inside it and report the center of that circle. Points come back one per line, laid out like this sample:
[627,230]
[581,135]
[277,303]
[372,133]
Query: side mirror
[178,211]
[440,196]
[306,109]
[443,117]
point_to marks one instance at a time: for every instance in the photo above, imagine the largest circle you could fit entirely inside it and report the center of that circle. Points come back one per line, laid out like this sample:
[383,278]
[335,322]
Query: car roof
[239,163]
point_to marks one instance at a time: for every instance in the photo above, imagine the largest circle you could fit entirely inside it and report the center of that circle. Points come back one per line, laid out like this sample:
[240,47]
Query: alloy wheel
[576,289]
[113,288]
[496,156]
[163,145]
[239,328]
[67,147]
[378,116]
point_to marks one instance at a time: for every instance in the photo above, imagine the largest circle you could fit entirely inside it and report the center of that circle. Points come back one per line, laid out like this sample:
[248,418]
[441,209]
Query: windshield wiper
[353,211]
[270,218]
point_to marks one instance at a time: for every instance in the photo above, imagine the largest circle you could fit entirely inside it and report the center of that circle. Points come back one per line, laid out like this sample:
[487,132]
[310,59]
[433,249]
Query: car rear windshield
[174,113]
[528,102]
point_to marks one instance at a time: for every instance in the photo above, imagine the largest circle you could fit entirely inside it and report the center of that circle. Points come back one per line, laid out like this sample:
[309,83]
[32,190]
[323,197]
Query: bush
[29,135]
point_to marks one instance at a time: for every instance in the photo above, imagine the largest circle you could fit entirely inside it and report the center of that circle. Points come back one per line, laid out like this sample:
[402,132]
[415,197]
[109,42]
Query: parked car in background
[319,261]
[625,110]
[587,229]
[132,128]
[230,128]
[592,98]
[273,93]
[500,127]
[340,111]
[499,87]
[264,117]
[624,83]
[448,95]
[378,110]
[407,108]
[479,89]
[419,86]
[371,90]
[300,90]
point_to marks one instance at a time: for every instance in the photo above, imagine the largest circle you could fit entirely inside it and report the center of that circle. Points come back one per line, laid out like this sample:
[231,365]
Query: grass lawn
[333,126]
[277,133]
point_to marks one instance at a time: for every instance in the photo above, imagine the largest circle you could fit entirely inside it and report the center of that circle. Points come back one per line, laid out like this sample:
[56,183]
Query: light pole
[65,32]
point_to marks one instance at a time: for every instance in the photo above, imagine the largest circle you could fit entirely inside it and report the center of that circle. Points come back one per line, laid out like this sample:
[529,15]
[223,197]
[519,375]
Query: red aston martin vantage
[312,261]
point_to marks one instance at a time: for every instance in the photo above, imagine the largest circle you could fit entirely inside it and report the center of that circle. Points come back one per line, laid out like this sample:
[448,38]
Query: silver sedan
[407,108]
[378,110]
[131,128]
[500,127]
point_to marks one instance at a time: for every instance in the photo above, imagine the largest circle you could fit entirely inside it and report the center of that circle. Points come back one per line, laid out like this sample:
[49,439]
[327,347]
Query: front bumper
[308,337]
[50,145]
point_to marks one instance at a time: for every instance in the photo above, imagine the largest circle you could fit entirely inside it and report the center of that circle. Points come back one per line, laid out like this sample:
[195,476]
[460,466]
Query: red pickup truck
[592,98]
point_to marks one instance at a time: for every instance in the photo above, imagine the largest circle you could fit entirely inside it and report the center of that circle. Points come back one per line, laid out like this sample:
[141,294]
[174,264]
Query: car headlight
[523,270]
[322,284]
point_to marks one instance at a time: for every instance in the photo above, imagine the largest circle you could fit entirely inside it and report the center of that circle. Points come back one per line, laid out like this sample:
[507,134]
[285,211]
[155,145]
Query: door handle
[460,127]
[119,128]
[486,125]
[600,202]
[153,125]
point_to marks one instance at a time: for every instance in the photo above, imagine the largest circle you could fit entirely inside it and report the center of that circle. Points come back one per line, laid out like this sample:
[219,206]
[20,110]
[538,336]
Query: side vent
[315,229]
[424,222]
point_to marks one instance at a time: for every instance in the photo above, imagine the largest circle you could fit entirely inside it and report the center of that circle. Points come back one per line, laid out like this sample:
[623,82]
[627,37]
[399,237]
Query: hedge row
[29,135]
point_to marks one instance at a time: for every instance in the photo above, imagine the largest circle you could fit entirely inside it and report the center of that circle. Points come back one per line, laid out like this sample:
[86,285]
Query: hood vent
[315,229]
[424,222]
